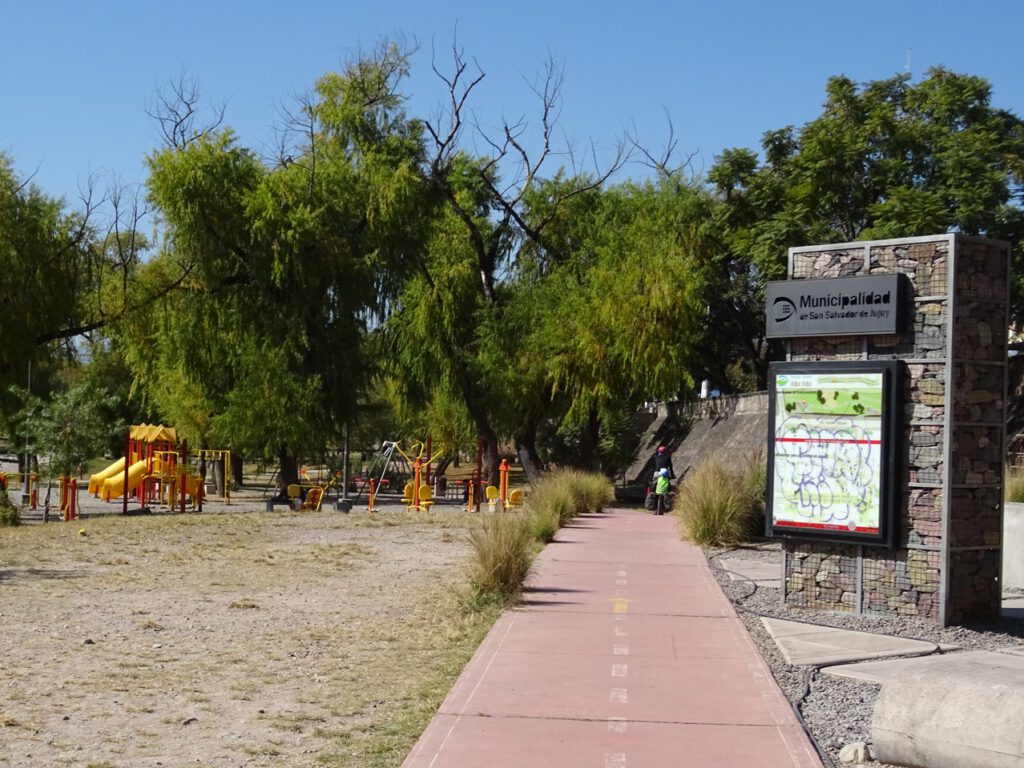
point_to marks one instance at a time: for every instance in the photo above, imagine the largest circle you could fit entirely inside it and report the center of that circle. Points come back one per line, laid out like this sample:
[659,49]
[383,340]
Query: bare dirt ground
[229,639]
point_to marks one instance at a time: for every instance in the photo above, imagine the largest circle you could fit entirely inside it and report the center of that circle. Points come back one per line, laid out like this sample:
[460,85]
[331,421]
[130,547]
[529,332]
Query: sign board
[831,457]
[840,306]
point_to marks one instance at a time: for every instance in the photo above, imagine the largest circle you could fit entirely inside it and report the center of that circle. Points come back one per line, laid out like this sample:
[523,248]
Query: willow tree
[290,262]
[464,286]
[626,305]
[45,253]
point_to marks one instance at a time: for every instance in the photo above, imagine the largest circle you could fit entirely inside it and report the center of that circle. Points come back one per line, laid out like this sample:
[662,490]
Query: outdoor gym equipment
[418,492]
[391,467]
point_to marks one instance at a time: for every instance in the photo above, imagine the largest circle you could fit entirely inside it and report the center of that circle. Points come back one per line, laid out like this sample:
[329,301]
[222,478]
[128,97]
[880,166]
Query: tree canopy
[385,260]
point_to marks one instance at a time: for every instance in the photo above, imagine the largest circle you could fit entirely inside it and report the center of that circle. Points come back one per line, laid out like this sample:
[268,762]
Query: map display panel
[827,469]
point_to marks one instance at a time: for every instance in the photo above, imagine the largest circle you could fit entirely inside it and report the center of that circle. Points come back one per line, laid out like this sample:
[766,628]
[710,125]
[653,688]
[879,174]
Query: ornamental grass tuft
[720,505]
[505,544]
[1014,485]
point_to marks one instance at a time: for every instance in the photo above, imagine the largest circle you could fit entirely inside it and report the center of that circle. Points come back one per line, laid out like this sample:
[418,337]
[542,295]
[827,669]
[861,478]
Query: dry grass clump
[503,548]
[590,491]
[553,498]
[1014,485]
[720,504]
[506,544]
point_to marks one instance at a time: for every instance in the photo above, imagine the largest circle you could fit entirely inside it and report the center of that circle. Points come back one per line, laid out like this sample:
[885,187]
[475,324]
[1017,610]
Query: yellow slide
[113,486]
[96,481]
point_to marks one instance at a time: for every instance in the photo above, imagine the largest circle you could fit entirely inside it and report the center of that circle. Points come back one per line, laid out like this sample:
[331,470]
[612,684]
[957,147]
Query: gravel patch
[837,711]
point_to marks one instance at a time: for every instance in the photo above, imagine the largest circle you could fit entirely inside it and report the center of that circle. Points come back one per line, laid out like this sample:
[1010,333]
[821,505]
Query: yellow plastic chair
[492,498]
[407,494]
[314,497]
[515,498]
[294,491]
[426,498]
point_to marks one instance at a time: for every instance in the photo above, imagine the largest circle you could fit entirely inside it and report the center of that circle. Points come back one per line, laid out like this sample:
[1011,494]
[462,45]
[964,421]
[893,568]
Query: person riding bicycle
[662,460]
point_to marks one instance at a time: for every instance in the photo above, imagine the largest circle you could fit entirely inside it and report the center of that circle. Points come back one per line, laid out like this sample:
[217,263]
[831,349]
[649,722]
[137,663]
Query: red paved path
[624,654]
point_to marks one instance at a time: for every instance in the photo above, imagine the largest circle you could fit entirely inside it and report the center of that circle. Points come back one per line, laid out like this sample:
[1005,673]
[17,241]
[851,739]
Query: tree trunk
[589,437]
[443,464]
[218,477]
[289,474]
[526,448]
[478,413]
[530,462]
[236,470]
[491,459]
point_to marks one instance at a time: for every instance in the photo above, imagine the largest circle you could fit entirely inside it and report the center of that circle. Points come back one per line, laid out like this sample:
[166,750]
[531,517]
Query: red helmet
[661,449]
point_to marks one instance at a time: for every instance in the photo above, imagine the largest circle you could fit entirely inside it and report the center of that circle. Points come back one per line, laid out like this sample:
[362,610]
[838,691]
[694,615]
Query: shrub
[502,545]
[718,505]
[1014,485]
[9,515]
[754,477]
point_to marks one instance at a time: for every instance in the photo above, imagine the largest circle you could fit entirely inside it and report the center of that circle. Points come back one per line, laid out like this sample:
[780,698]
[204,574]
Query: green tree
[288,264]
[887,159]
[69,428]
[44,253]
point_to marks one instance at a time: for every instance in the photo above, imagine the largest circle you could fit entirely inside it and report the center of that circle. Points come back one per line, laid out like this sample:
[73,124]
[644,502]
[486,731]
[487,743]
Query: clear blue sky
[77,75]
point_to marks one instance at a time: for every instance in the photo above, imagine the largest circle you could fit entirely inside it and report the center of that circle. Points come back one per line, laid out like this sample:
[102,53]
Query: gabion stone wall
[949,506]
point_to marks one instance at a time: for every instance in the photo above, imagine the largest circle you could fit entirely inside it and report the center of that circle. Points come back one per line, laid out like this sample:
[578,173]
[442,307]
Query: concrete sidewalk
[623,653]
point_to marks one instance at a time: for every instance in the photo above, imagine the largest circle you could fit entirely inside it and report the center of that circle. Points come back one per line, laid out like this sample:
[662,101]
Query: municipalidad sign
[839,306]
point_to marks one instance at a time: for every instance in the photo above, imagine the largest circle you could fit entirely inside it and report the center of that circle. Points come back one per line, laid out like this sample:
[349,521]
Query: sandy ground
[220,639]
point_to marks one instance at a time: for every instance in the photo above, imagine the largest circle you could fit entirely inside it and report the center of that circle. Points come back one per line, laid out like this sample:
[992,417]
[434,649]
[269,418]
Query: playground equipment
[155,471]
[500,494]
[393,468]
[96,481]
[68,498]
[418,495]
[115,485]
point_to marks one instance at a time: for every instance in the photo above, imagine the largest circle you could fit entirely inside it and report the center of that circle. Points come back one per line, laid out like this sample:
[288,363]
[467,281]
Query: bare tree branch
[459,86]
[509,147]
[297,136]
[662,164]
[175,108]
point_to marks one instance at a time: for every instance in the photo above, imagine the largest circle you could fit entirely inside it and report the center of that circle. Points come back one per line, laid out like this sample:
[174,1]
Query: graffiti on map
[827,452]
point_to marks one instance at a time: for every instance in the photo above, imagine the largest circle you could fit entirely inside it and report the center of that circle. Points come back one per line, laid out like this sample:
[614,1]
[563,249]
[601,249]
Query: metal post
[417,479]
[479,476]
[127,463]
[26,490]
[503,484]
[344,505]
[426,475]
